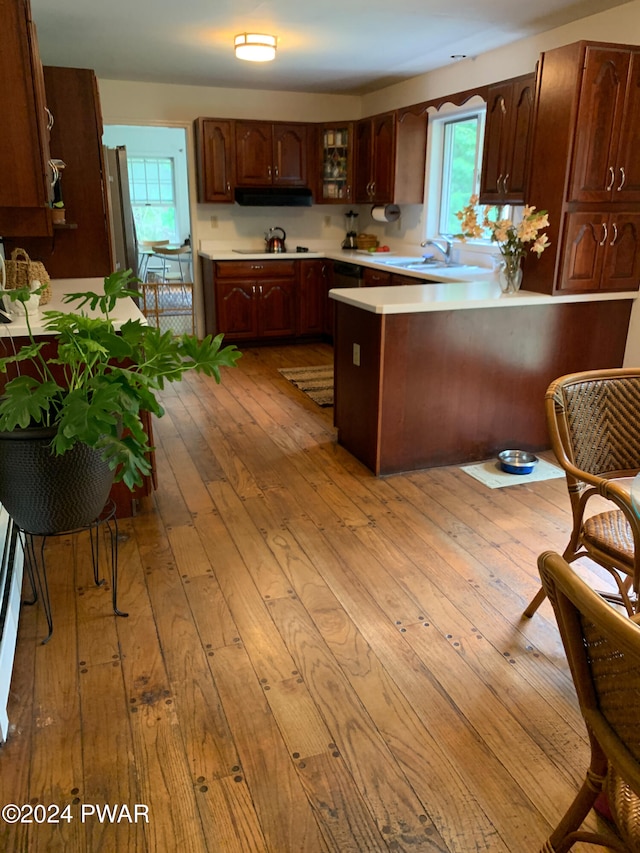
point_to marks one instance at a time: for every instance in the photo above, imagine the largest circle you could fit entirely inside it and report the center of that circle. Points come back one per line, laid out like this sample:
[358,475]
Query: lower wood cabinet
[255,299]
[312,296]
[601,252]
[265,300]
[375,278]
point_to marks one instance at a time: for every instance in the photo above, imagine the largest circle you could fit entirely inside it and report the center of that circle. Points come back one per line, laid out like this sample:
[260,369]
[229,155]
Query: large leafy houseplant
[109,377]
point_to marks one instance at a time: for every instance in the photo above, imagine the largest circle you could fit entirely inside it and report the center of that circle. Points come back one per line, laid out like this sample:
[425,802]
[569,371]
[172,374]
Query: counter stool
[36,567]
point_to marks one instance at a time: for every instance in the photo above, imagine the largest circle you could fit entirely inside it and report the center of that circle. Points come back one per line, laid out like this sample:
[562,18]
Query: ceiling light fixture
[457,57]
[255,47]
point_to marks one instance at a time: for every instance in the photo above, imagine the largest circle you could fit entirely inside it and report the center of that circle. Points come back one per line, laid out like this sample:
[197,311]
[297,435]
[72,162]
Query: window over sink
[454,166]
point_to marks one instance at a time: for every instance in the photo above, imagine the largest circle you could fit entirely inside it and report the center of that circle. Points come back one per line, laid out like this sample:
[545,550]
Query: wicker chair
[594,425]
[603,650]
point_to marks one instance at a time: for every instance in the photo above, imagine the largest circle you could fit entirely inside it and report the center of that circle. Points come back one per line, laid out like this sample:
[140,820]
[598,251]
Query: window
[461,164]
[153,198]
[454,166]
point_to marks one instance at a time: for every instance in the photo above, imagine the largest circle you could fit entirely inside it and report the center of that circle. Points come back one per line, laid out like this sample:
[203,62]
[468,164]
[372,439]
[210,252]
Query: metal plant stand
[36,566]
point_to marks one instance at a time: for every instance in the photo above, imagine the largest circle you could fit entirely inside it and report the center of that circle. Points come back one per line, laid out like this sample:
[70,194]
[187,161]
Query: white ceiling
[331,46]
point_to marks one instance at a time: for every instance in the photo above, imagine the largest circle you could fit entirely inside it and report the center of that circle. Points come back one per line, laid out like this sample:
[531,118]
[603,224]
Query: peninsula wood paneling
[458,386]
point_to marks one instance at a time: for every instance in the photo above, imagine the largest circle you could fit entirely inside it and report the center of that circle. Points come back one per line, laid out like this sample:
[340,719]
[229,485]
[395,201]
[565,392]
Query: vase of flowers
[512,238]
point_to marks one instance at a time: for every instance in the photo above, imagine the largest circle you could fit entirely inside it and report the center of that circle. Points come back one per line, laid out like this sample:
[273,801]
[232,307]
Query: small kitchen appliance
[275,243]
[349,241]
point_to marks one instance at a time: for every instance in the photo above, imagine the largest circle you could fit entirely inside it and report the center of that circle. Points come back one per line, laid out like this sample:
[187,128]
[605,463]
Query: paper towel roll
[385,212]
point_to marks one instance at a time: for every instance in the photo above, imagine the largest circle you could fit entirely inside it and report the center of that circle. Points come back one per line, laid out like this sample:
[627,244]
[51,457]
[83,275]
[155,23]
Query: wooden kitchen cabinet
[314,281]
[390,154]
[82,248]
[215,157]
[336,163]
[271,154]
[607,167]
[254,299]
[507,139]
[602,252]
[26,183]
[584,168]
[375,278]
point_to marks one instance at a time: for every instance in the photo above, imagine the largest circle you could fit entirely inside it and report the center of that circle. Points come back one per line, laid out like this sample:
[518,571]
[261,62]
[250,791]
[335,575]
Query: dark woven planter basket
[44,493]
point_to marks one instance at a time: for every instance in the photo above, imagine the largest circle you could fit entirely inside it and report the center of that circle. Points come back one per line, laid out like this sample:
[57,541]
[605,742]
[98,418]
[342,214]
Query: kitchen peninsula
[441,374]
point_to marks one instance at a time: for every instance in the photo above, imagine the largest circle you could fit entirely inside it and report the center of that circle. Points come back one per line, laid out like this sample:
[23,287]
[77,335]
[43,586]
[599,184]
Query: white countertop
[449,296]
[375,260]
[125,309]
[228,255]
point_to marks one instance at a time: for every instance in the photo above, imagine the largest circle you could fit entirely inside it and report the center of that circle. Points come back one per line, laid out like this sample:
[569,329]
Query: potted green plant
[83,407]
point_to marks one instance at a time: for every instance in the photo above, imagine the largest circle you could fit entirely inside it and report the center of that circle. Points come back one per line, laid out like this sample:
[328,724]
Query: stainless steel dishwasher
[346,275]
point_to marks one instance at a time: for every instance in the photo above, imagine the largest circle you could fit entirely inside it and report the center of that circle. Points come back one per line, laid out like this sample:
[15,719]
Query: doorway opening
[153,216]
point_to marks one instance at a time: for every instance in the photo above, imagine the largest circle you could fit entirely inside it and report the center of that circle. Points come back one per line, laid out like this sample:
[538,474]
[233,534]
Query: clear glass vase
[510,274]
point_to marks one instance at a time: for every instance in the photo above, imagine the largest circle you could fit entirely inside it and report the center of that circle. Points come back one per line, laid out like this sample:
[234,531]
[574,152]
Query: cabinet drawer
[255,269]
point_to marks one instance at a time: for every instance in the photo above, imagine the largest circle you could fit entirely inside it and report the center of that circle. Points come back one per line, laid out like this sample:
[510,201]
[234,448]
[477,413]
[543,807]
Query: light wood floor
[314,660]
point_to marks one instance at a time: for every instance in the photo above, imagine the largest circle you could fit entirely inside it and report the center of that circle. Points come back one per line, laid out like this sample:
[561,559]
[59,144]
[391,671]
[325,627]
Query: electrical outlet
[214,221]
[356,355]
[327,222]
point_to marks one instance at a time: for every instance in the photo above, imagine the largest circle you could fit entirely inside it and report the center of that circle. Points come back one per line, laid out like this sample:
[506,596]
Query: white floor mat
[494,477]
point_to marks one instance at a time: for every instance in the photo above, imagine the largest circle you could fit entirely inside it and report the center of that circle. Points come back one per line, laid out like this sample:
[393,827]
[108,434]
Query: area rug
[315,382]
[494,477]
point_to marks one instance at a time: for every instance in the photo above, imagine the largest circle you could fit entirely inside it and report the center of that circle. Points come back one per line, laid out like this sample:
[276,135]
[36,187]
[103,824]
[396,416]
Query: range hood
[274,196]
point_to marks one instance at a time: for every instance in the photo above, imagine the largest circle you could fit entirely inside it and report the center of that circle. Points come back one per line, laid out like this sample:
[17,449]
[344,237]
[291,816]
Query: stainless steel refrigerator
[124,243]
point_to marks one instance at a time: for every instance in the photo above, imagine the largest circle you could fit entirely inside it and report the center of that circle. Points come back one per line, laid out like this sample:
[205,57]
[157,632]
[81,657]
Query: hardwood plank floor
[314,659]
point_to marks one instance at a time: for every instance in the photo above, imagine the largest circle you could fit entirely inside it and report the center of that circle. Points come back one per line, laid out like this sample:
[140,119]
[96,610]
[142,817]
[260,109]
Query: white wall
[126,102]
[621,24]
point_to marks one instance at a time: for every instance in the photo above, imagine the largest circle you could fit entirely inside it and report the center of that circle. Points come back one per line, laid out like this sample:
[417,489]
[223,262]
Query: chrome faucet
[444,246]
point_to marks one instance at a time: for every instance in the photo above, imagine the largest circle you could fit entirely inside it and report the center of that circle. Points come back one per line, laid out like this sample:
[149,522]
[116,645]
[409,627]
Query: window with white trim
[454,166]
[153,197]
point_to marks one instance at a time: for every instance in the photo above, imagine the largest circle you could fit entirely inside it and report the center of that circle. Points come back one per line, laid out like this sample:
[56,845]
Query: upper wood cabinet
[606,162]
[82,248]
[215,160]
[270,154]
[335,158]
[507,137]
[26,183]
[601,251]
[390,157]
[584,168]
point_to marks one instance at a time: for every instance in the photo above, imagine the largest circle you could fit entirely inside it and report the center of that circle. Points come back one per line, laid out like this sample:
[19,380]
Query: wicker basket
[367,241]
[21,271]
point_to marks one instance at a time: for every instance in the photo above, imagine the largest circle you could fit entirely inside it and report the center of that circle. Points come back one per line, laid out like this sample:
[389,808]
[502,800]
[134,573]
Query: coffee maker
[349,241]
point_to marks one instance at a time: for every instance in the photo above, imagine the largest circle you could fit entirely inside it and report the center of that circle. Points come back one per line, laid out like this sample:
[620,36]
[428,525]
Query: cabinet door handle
[348,191]
[260,289]
[505,183]
[269,171]
[612,178]
[373,188]
[498,182]
[228,187]
[276,172]
[257,266]
[623,178]
[615,235]
[605,234]
[49,118]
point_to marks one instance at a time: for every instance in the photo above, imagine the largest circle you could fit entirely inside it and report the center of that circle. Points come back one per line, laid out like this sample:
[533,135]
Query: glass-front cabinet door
[336,152]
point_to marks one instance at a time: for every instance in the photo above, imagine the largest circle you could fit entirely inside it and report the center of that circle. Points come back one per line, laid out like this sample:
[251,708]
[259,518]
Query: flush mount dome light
[255,47]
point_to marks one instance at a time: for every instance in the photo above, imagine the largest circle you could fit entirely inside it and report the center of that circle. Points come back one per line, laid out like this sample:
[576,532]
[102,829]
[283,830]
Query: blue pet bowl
[517,461]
